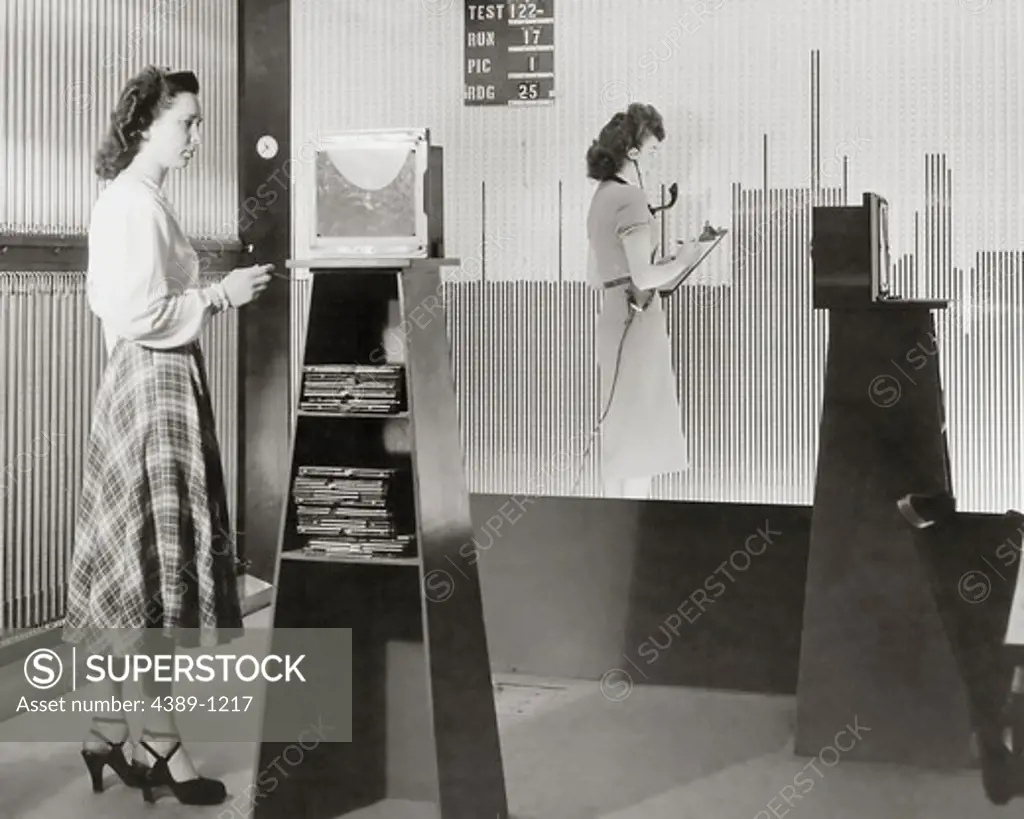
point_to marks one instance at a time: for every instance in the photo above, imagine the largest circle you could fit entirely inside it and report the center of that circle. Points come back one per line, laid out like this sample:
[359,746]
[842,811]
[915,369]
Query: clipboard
[700,251]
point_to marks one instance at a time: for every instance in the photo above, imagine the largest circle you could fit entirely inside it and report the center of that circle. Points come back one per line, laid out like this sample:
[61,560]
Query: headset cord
[611,395]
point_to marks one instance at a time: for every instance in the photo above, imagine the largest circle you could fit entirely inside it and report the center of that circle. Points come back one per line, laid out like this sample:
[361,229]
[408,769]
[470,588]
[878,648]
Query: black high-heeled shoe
[1002,754]
[130,773]
[1002,774]
[197,791]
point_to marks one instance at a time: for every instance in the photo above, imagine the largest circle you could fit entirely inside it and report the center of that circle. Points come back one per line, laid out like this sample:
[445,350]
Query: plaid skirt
[153,544]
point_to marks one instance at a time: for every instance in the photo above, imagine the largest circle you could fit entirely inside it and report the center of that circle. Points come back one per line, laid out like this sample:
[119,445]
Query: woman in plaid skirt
[154,565]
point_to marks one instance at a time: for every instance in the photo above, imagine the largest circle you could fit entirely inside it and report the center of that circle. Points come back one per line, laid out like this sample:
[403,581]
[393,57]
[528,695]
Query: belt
[633,293]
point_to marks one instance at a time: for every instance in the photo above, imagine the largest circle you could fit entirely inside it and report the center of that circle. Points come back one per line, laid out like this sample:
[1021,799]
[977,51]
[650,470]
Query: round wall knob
[266,146]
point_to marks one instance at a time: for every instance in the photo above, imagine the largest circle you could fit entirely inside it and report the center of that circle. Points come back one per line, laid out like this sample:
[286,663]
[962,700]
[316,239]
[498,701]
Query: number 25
[527,90]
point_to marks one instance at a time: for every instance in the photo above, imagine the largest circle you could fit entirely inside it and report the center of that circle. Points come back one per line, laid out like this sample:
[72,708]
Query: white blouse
[143,279]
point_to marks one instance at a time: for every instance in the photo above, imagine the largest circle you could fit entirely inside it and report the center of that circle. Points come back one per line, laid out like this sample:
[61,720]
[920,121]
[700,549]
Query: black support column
[873,651]
[264,110]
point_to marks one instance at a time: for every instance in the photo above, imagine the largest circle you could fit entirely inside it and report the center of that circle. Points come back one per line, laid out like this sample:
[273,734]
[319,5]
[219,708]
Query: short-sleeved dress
[153,548]
[641,435]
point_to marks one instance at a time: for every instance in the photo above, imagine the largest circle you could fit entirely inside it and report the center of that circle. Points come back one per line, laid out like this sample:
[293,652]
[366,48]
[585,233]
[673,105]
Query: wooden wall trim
[45,253]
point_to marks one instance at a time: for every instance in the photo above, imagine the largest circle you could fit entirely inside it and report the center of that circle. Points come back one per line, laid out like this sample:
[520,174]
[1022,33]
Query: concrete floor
[571,753]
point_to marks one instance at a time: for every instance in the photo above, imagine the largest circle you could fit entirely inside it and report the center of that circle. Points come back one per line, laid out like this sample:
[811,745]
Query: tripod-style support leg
[971,564]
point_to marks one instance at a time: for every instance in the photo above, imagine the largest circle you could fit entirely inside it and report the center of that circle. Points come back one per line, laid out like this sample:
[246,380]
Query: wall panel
[770,109]
[63,67]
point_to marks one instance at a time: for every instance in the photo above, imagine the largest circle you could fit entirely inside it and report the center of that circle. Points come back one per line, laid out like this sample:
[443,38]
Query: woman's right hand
[243,284]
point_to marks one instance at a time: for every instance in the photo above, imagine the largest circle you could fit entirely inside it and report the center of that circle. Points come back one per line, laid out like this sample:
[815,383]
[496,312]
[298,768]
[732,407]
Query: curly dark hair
[142,99]
[625,130]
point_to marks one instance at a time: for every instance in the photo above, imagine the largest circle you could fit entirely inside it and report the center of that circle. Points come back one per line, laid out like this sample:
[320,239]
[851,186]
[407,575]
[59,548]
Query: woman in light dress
[641,429]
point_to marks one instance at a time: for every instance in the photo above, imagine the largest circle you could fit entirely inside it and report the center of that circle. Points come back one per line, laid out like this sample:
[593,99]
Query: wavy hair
[143,98]
[623,131]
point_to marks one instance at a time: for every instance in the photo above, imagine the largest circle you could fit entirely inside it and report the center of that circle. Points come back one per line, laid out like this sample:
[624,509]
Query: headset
[635,309]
